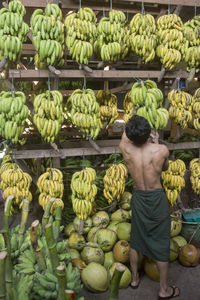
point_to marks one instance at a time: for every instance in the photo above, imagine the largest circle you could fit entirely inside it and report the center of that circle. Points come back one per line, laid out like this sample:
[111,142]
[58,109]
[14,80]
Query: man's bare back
[145,163]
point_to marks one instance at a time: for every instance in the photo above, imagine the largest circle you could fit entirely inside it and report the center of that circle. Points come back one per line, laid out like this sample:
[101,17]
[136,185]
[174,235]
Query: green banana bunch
[85,112]
[128,107]
[80,30]
[143,36]
[196,109]
[112,43]
[48,36]
[13,30]
[170,40]
[180,110]
[13,115]
[21,287]
[48,115]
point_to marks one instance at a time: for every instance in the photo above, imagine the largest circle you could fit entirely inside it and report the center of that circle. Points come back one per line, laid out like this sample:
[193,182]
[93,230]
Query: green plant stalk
[62,282]
[114,285]
[69,295]
[46,215]
[58,218]
[51,244]
[3,255]
[25,210]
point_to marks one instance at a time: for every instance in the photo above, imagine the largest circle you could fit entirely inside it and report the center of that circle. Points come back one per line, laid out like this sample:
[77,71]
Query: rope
[83,159]
[199,154]
[195,8]
[142,8]
[169,2]
[49,87]
[13,88]
[110,4]
[84,83]
[104,12]
[178,82]
[47,1]
[80,4]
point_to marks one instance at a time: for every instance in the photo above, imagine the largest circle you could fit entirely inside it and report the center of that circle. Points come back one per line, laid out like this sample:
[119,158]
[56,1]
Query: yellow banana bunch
[170,40]
[128,107]
[13,115]
[108,106]
[147,98]
[51,185]
[85,113]
[180,110]
[48,36]
[13,30]
[143,36]
[195,175]
[114,182]
[112,43]
[80,30]
[7,164]
[173,180]
[196,109]
[48,115]
[83,192]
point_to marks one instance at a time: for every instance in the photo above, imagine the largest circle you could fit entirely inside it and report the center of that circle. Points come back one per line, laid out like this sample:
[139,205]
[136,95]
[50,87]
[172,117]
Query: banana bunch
[80,30]
[195,175]
[108,106]
[21,287]
[114,182]
[112,43]
[48,115]
[170,40]
[191,47]
[13,30]
[83,192]
[147,98]
[180,110]
[85,112]
[143,36]
[128,107]
[13,115]
[196,109]
[173,180]
[7,163]
[17,183]
[51,185]
[48,36]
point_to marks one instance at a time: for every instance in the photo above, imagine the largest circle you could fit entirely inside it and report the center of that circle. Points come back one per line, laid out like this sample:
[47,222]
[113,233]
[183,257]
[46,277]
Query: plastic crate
[192,215]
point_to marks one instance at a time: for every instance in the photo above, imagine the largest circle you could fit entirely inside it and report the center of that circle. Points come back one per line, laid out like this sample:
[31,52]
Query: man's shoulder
[160,147]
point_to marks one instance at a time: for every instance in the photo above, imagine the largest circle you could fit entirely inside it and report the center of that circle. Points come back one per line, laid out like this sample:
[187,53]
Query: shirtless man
[150,226]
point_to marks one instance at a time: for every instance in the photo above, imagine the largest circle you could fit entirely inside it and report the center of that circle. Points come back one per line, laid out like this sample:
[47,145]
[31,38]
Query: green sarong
[150,224]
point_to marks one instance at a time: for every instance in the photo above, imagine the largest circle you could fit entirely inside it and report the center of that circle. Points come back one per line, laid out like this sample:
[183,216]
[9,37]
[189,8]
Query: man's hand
[154,137]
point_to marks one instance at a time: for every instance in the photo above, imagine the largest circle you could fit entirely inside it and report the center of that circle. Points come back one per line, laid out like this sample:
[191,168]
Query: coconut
[120,215]
[124,231]
[69,228]
[86,227]
[92,253]
[113,225]
[108,259]
[101,218]
[151,269]
[76,241]
[121,251]
[180,240]
[125,201]
[78,263]
[174,250]
[92,234]
[106,238]
[73,253]
[176,226]
[126,277]
[189,256]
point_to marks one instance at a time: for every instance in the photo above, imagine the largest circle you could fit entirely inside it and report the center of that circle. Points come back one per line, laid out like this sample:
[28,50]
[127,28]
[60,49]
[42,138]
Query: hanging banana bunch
[128,107]
[51,185]
[7,163]
[191,46]
[112,43]
[180,110]
[83,192]
[173,180]
[195,175]
[108,106]
[196,109]
[114,182]
[80,31]
[170,40]
[143,36]
[85,113]
[147,98]
[48,36]
[13,115]
[48,116]
[13,30]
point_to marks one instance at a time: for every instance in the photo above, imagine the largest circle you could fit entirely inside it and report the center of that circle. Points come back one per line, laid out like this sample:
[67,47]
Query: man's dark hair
[138,130]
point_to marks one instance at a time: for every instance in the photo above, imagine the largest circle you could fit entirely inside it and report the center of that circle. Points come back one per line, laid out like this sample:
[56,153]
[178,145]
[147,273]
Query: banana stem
[62,282]
[114,286]
[56,225]
[69,295]
[51,244]
[25,210]
[46,215]
[81,227]
[3,255]
[8,204]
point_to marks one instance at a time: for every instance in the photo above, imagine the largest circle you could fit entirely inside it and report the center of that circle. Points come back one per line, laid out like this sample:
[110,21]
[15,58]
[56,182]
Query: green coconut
[174,250]
[180,240]
[73,253]
[92,253]
[120,215]
[92,234]
[76,241]
[108,259]
[125,201]
[101,218]
[124,231]
[113,225]
[69,228]
[126,277]
[106,238]
[86,227]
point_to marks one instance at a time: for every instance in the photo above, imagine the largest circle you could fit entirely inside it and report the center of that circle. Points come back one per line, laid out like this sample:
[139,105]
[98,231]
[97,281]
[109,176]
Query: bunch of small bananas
[147,98]
[48,36]
[173,180]
[13,30]
[143,36]
[85,113]
[195,175]
[112,43]
[83,192]
[170,40]
[51,185]
[108,106]
[80,30]
[196,109]
[7,163]
[114,182]
[191,47]
[48,115]
[128,107]
[13,115]
[180,107]
[17,183]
